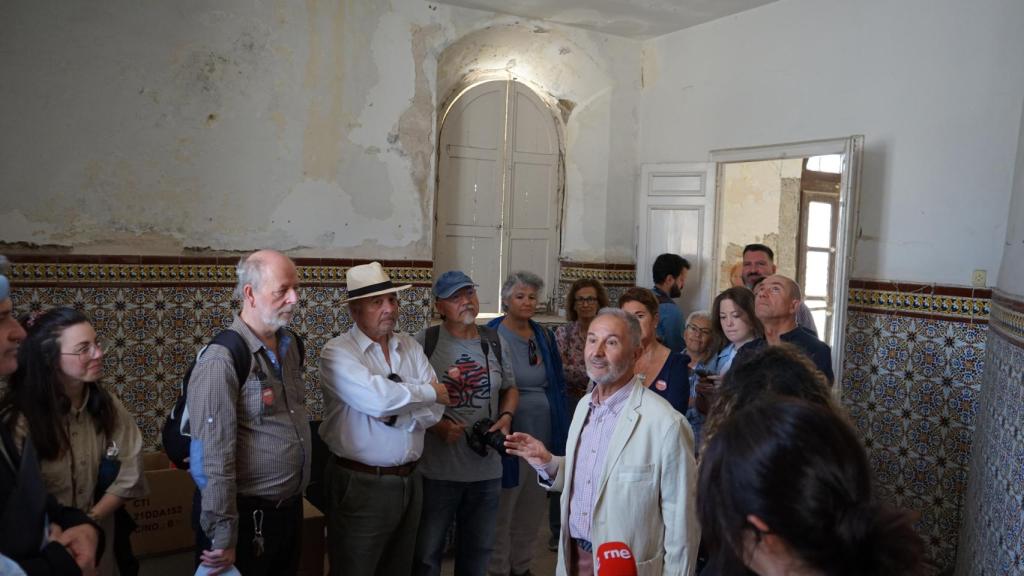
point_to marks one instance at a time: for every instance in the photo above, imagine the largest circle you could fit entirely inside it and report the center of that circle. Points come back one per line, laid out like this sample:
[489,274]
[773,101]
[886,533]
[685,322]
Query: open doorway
[498,189]
[790,205]
[801,201]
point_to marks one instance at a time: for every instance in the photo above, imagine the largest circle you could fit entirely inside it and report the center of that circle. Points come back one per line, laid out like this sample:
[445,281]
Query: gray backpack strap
[430,341]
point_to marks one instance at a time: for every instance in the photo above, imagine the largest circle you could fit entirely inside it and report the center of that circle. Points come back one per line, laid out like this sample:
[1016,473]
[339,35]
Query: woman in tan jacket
[80,430]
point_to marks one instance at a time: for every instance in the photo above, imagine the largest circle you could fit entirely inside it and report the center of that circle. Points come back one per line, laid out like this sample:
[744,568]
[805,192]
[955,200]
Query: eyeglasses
[695,328]
[532,351]
[394,377]
[586,300]
[89,350]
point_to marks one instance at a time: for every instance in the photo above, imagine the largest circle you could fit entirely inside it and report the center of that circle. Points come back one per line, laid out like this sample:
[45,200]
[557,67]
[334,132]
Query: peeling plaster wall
[935,87]
[306,126]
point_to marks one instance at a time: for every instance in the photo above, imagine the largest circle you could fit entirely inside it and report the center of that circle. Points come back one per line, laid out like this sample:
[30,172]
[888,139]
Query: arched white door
[498,189]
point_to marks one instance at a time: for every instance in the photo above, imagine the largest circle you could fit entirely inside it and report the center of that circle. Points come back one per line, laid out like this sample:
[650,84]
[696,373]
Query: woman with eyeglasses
[89,447]
[542,413]
[660,370]
[699,339]
[585,297]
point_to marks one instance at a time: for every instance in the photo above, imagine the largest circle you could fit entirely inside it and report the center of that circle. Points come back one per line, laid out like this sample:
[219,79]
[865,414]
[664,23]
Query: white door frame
[679,186]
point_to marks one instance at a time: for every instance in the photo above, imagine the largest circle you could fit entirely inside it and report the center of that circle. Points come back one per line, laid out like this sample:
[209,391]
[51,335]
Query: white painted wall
[1011,272]
[935,86]
[305,126]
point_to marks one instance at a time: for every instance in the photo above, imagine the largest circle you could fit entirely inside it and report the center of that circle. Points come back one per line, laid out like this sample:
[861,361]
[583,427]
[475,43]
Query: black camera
[479,438]
[702,372]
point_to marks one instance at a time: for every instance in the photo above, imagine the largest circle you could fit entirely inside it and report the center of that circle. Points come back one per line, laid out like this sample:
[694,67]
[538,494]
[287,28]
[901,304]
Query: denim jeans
[474,507]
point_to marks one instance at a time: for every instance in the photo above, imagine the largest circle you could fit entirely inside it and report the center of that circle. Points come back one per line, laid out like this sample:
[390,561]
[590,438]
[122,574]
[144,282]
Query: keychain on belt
[257,539]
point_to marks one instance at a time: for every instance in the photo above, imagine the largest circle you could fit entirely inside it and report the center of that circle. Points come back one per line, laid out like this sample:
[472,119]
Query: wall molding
[609,274]
[84,270]
[930,301]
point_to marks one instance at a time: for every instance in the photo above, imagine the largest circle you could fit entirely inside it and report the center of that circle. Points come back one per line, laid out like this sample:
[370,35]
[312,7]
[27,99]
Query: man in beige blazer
[628,474]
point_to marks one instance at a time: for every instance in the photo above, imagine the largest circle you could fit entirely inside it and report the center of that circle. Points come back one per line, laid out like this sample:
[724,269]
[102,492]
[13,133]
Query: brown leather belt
[401,470]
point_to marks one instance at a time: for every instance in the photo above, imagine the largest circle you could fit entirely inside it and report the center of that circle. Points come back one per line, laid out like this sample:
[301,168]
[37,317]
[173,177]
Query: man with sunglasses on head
[380,396]
[461,472]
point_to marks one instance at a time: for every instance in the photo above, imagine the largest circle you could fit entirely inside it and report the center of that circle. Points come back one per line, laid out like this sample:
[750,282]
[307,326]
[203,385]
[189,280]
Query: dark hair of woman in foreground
[36,392]
[782,370]
[785,487]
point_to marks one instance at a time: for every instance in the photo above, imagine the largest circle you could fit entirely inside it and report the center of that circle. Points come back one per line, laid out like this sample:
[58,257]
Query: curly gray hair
[515,279]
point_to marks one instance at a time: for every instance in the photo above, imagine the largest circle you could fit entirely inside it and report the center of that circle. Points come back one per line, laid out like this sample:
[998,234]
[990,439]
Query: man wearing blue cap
[68,544]
[461,468]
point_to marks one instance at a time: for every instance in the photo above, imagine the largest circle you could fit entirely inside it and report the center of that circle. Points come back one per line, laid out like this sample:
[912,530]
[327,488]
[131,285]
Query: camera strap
[487,364]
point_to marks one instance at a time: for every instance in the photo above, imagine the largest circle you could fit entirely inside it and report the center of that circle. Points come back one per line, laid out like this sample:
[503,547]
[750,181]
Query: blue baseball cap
[451,282]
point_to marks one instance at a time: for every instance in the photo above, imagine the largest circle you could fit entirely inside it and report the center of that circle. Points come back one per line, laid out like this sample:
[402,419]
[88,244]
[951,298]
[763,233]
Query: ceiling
[640,19]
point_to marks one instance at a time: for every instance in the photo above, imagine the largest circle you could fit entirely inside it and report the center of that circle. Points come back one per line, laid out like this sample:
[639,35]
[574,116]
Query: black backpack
[176,434]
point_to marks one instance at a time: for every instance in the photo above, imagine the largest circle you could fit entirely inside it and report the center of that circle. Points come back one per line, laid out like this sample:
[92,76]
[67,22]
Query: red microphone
[615,559]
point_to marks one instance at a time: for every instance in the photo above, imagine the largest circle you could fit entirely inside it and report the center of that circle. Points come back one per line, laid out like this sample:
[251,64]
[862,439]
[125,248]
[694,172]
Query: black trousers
[282,536]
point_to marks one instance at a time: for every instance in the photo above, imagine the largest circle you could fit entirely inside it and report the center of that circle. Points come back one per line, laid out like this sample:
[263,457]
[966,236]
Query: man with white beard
[629,474]
[250,449]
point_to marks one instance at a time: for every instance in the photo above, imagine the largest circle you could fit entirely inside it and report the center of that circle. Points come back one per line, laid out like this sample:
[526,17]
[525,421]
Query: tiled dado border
[915,355]
[190,270]
[992,539]
[1008,318]
[914,300]
[608,274]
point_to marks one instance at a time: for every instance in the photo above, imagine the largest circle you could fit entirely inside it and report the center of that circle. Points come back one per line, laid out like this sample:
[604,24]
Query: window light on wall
[832,163]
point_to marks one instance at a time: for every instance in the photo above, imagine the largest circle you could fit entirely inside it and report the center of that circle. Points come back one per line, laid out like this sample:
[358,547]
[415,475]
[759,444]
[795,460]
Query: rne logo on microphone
[617,553]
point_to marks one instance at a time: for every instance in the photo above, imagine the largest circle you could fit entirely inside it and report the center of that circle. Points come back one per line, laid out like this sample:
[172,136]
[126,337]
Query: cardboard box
[311,562]
[164,518]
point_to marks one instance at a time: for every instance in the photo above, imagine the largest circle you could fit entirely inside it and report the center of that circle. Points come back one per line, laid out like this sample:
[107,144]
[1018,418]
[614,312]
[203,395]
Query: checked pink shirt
[591,450]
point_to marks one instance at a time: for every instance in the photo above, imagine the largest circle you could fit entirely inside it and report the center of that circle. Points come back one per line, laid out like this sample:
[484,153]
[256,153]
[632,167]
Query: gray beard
[611,376]
[274,321]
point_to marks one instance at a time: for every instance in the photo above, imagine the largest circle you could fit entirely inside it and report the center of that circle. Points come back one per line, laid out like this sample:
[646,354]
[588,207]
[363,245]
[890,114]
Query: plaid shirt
[250,440]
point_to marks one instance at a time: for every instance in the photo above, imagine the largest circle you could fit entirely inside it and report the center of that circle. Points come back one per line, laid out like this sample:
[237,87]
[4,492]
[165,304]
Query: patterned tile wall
[615,278]
[992,539]
[159,311]
[914,364]
[158,315]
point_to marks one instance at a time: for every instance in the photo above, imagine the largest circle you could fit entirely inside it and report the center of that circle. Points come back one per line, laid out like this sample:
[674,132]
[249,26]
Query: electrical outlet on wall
[979,279]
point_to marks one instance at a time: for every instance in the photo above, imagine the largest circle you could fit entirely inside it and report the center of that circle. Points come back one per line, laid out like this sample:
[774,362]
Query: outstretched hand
[528,448]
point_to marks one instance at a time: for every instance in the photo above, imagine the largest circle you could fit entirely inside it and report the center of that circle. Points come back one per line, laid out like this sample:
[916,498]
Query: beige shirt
[71,477]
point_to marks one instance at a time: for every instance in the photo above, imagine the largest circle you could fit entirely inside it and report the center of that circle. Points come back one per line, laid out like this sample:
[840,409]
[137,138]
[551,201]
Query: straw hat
[368,280]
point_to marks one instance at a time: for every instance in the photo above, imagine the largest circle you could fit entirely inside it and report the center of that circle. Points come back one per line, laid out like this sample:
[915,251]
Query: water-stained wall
[167,128]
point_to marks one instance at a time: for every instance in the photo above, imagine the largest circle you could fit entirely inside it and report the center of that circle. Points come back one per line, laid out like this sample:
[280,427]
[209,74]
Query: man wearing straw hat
[380,395]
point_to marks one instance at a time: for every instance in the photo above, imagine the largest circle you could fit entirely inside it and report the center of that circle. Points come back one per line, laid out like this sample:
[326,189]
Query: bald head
[776,299]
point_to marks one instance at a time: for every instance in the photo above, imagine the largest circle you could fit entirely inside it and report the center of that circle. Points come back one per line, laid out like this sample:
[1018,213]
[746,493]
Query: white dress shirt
[359,399]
